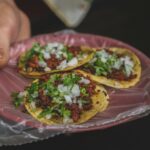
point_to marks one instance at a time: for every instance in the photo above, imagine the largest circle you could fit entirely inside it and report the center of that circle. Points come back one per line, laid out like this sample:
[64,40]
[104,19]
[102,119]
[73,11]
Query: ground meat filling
[33,62]
[53,62]
[74,50]
[75,111]
[91,89]
[43,100]
[117,74]
[44,78]
[63,97]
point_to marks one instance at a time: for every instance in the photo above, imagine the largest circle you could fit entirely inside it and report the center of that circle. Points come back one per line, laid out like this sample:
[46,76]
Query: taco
[53,57]
[114,67]
[67,98]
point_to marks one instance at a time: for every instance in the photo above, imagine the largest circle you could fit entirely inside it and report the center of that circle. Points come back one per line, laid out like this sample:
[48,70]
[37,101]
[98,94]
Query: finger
[4,48]
[25,31]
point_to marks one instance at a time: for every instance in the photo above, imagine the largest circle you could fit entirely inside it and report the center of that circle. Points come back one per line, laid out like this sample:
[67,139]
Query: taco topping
[53,56]
[64,96]
[111,65]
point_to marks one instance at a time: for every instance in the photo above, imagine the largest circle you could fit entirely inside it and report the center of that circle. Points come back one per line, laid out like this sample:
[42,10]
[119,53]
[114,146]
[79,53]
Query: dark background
[126,20]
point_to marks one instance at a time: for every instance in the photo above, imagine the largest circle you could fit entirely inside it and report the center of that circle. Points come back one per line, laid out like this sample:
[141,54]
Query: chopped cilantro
[83,91]
[17,101]
[71,79]
[31,90]
[45,112]
[69,54]
[35,48]
[64,112]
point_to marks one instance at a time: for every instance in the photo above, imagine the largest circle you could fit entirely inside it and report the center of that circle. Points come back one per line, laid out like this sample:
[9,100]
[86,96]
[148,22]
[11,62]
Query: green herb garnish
[71,79]
[17,100]
[83,91]
[45,112]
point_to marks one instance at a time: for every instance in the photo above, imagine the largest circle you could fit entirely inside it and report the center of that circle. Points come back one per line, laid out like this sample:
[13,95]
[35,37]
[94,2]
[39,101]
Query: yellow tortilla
[116,83]
[37,74]
[100,103]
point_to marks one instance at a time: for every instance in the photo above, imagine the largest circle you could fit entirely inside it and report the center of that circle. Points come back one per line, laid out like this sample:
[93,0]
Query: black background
[126,20]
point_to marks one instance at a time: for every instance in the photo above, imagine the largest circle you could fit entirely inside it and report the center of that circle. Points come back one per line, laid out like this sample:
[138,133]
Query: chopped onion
[64,89]
[85,81]
[35,94]
[68,99]
[46,55]
[103,55]
[80,104]
[75,90]
[73,62]
[48,116]
[42,64]
[62,65]
[128,63]
[32,104]
[46,69]
[67,120]
[22,94]
[117,64]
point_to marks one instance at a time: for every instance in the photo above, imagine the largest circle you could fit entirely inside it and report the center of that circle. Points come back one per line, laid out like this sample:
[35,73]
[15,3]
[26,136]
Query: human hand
[14,26]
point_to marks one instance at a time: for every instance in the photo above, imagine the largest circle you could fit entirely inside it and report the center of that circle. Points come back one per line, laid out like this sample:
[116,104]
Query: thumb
[4,48]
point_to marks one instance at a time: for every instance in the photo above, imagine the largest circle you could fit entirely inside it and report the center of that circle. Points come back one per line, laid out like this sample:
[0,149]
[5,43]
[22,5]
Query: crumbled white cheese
[85,81]
[73,62]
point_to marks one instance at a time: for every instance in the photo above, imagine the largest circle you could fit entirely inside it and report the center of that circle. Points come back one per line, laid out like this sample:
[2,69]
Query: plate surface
[125,104]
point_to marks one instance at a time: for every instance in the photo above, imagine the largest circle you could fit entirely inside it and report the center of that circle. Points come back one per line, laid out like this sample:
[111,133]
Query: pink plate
[125,104]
